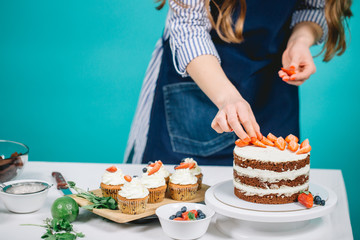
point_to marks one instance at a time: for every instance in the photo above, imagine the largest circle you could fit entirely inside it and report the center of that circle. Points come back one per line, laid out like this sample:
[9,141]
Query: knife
[61,183]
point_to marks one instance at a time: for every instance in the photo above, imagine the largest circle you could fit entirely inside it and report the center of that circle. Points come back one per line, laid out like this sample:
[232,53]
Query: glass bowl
[13,158]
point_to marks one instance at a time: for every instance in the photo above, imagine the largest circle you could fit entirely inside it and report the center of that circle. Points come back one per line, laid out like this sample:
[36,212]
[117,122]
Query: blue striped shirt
[188,30]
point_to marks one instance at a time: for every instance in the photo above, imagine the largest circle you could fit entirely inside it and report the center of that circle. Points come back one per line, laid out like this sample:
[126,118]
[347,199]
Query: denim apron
[181,114]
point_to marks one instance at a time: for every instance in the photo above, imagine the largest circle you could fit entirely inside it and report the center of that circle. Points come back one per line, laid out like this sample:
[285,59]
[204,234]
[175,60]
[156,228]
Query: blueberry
[183,160]
[178,214]
[202,216]
[135,176]
[175,167]
[317,200]
[322,203]
[144,170]
[172,217]
[183,209]
[150,162]
[199,211]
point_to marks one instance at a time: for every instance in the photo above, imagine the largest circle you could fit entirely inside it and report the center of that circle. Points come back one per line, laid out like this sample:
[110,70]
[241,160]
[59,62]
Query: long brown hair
[337,12]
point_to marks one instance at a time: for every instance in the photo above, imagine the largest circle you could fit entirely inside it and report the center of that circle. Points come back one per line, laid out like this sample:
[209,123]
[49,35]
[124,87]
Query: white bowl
[184,229]
[24,203]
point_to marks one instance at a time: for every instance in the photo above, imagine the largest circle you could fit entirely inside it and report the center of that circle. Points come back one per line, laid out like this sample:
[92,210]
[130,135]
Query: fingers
[305,71]
[239,118]
[234,123]
[246,122]
[220,124]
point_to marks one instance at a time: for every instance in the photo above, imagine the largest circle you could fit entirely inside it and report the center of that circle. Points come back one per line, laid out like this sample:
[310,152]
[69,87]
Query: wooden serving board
[117,216]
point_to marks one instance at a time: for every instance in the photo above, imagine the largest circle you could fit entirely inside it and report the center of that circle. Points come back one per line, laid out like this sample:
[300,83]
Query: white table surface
[88,175]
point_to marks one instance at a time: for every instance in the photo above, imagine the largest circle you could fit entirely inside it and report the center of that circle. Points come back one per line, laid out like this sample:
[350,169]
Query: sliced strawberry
[127,178]
[289,72]
[291,137]
[192,165]
[306,199]
[293,146]
[185,215]
[304,149]
[280,143]
[267,142]
[258,143]
[271,137]
[155,168]
[241,143]
[111,169]
[182,166]
[179,219]
[305,143]
[194,212]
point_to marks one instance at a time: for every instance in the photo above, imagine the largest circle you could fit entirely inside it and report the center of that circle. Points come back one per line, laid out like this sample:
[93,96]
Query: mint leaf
[191,216]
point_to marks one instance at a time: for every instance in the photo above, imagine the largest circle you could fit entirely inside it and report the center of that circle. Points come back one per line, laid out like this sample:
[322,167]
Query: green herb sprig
[58,229]
[98,202]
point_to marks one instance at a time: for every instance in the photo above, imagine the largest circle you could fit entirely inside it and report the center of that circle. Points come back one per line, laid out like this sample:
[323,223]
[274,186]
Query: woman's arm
[309,27]
[297,53]
[234,111]
[195,55]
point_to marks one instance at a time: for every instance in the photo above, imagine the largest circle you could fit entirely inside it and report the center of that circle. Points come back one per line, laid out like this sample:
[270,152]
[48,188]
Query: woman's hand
[237,116]
[297,56]
[297,53]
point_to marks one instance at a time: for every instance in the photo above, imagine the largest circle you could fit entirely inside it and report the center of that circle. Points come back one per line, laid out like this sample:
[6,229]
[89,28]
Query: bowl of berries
[184,220]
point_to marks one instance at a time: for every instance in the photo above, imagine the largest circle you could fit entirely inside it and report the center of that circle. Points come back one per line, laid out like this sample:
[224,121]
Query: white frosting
[271,176]
[196,170]
[134,189]
[183,177]
[268,154]
[154,180]
[285,190]
[113,178]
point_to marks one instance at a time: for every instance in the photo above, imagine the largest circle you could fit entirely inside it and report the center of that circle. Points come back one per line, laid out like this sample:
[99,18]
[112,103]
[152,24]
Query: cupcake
[111,182]
[154,181]
[163,171]
[183,184]
[194,169]
[133,196]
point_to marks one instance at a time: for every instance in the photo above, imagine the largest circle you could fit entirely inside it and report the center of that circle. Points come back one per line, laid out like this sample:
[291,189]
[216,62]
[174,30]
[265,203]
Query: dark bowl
[13,158]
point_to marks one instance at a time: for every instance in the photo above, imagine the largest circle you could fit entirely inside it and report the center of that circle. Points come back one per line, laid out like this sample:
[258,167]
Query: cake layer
[268,154]
[282,190]
[271,176]
[257,182]
[272,166]
[267,199]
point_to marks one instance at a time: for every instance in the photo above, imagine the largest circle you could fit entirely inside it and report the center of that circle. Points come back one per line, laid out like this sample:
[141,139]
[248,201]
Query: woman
[216,68]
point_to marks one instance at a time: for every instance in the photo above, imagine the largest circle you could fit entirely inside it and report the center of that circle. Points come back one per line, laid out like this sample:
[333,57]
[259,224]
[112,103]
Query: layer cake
[269,175]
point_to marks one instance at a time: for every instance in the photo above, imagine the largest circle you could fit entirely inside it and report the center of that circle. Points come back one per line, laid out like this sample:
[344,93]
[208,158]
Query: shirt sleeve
[189,33]
[311,11]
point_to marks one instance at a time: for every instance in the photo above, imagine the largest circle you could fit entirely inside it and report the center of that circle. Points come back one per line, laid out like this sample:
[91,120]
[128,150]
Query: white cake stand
[240,219]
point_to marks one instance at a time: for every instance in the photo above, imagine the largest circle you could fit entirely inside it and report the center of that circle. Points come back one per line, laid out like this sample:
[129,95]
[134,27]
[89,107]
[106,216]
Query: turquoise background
[71,72]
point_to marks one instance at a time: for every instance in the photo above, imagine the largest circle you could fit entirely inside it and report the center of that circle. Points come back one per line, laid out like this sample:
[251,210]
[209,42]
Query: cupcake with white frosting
[155,183]
[111,182]
[194,169]
[162,171]
[183,184]
[133,197]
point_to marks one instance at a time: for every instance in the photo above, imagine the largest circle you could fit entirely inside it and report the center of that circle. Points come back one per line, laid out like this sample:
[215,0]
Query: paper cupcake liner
[132,206]
[157,194]
[200,178]
[183,192]
[110,190]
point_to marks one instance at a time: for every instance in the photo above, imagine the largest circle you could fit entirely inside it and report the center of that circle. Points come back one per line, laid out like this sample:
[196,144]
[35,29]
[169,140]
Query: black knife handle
[60,180]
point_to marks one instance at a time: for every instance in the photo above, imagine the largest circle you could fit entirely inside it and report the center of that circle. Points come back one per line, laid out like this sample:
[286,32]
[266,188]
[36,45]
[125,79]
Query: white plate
[229,205]
[225,194]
